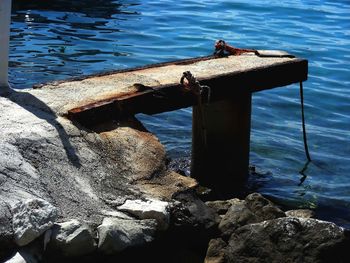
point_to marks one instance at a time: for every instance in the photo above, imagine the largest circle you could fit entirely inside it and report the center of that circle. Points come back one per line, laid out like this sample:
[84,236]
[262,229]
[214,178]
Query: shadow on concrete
[37,107]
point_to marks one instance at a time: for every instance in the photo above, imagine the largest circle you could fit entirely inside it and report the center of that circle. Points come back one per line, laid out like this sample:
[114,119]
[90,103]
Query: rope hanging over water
[303,122]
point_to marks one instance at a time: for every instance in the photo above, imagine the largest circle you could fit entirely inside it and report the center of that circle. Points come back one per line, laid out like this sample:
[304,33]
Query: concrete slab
[248,70]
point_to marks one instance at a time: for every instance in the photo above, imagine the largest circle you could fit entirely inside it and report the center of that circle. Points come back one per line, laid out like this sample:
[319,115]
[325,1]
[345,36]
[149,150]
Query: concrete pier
[221,127]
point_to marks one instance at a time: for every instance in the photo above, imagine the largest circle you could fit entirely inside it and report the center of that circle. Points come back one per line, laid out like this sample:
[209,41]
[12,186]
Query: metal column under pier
[220,143]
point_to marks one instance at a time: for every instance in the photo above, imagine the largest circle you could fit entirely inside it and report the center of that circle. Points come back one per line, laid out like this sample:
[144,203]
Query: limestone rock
[17,258]
[255,208]
[221,206]
[288,240]
[304,213]
[45,155]
[72,238]
[238,215]
[6,232]
[149,209]
[114,213]
[167,186]
[263,208]
[193,214]
[215,252]
[31,218]
[21,258]
[115,234]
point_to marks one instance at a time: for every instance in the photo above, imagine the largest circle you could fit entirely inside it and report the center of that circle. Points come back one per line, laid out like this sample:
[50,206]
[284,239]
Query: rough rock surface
[38,159]
[304,213]
[115,235]
[19,258]
[72,239]
[256,230]
[255,208]
[287,240]
[216,251]
[193,222]
[193,212]
[148,209]
[221,206]
[31,218]
[167,186]
[33,252]
[6,232]
[80,170]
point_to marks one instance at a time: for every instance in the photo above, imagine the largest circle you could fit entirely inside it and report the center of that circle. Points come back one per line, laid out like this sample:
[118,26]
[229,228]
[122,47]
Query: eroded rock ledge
[84,173]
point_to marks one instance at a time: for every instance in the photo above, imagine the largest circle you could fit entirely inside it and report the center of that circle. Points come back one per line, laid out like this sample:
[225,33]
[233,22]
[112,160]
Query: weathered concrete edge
[112,72]
[222,85]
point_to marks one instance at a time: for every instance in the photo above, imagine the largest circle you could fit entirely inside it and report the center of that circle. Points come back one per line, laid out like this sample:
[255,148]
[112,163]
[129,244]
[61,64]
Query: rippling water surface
[57,39]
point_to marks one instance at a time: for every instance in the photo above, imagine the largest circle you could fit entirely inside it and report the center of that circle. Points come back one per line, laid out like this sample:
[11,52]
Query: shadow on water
[92,8]
[37,107]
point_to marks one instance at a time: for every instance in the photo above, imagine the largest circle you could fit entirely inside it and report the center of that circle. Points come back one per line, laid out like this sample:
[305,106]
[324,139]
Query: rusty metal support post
[220,144]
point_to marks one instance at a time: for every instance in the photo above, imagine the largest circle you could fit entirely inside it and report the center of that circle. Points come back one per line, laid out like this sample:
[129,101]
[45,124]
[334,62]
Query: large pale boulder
[79,169]
[115,234]
[72,238]
[148,209]
[31,218]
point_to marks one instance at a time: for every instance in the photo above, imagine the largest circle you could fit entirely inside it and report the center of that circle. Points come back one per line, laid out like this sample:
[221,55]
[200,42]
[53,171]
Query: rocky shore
[70,193]
[183,230]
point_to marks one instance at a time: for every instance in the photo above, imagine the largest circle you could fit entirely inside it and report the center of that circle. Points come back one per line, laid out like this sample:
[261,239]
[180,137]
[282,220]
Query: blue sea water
[57,39]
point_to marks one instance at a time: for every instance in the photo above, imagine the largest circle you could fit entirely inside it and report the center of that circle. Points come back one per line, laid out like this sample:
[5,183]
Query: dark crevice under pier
[221,127]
